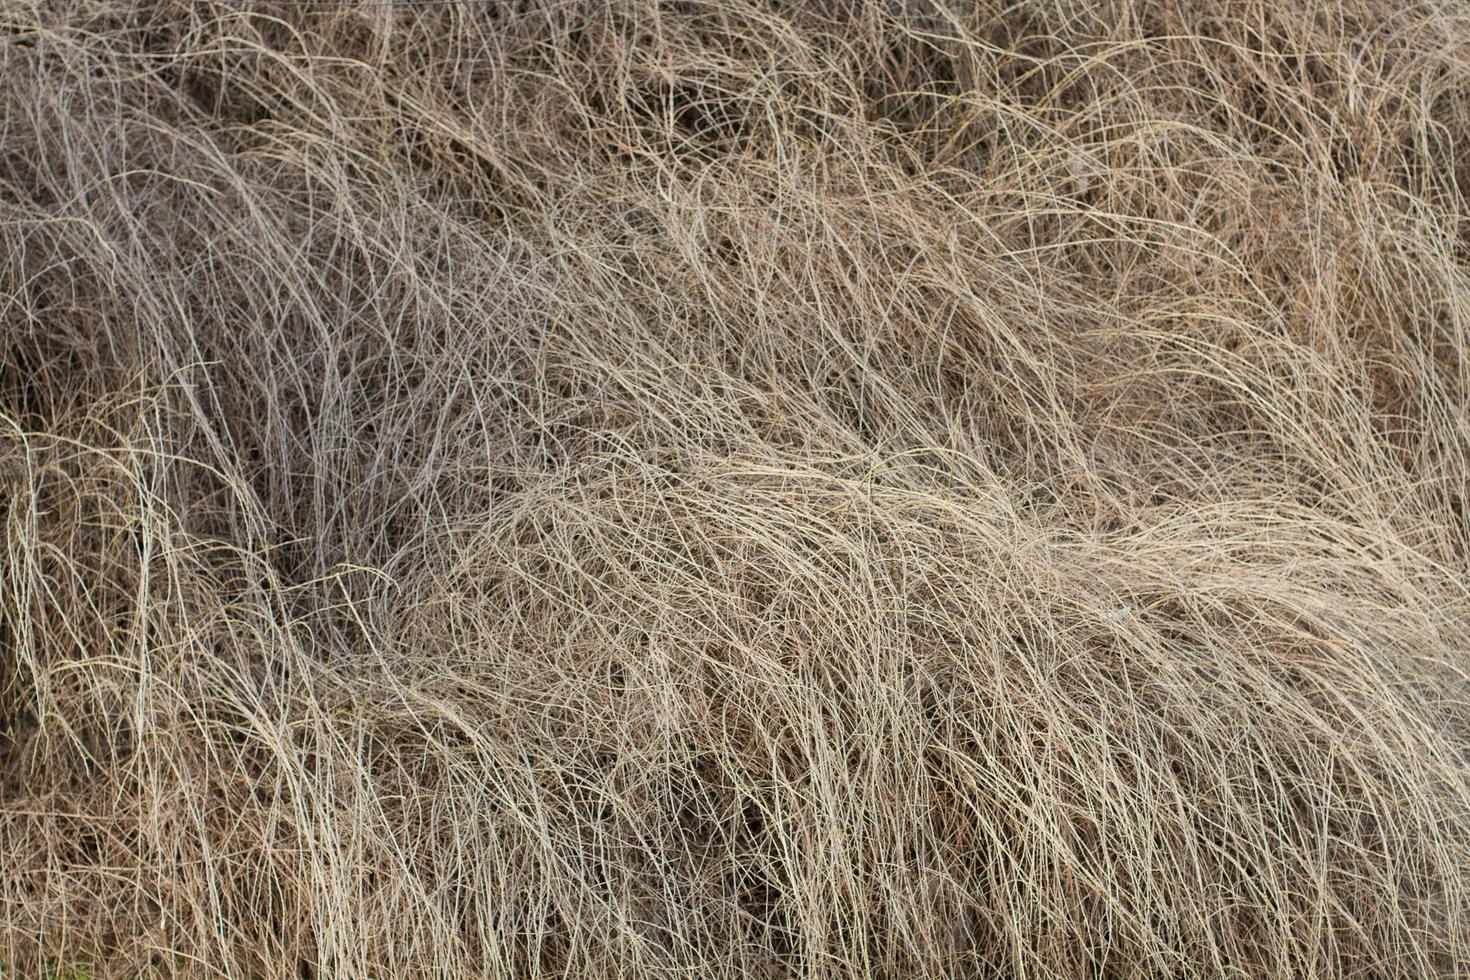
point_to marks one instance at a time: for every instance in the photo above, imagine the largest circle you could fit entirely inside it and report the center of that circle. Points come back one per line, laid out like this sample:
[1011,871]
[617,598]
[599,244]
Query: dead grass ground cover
[712,489]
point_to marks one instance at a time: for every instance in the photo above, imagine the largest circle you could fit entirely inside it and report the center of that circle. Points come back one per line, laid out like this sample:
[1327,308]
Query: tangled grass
[850,488]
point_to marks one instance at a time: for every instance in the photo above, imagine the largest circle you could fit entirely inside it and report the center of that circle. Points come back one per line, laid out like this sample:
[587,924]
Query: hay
[712,489]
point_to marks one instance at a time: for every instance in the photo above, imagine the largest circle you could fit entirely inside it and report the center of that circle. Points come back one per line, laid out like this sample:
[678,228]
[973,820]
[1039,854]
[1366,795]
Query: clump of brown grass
[711,489]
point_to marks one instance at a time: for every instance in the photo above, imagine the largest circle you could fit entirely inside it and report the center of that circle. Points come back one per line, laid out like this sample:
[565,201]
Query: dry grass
[853,488]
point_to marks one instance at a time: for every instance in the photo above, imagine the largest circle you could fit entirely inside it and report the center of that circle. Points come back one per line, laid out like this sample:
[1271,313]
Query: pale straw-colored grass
[735,489]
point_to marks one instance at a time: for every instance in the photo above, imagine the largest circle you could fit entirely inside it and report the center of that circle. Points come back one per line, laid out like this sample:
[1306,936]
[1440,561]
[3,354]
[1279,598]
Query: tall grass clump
[735,488]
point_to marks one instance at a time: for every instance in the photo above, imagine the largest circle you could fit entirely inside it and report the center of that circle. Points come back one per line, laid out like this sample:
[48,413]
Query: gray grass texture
[712,489]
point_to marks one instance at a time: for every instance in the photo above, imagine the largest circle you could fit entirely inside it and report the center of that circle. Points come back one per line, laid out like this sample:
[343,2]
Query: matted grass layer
[735,489]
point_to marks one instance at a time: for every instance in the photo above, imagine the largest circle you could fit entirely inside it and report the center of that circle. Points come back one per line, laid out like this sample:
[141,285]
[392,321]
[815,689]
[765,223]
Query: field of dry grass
[735,488]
